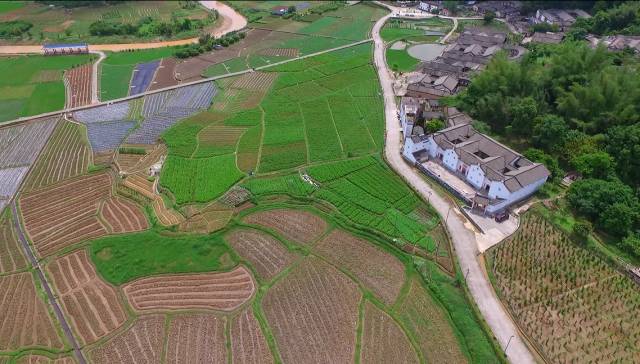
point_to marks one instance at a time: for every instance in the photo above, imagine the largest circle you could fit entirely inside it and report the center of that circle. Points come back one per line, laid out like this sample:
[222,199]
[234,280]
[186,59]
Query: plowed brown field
[136,163]
[39,359]
[11,257]
[140,184]
[78,81]
[24,319]
[124,216]
[248,345]
[65,213]
[65,156]
[265,253]
[313,313]
[296,225]
[256,81]
[216,291]
[378,270]
[167,217]
[429,325]
[90,304]
[196,339]
[140,344]
[164,76]
[382,339]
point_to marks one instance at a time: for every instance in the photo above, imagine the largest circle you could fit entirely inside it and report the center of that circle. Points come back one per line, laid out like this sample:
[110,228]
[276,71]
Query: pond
[426,52]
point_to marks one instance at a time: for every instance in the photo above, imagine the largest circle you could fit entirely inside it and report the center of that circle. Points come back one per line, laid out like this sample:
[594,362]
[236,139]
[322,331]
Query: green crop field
[26,90]
[400,60]
[123,258]
[7,6]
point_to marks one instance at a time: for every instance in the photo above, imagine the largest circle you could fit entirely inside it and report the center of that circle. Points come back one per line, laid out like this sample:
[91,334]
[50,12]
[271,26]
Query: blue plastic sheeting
[142,76]
[162,110]
[108,135]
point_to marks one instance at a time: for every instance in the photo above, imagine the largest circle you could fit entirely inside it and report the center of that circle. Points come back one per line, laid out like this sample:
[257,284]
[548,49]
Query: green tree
[594,165]
[618,219]
[434,125]
[549,132]
[551,162]
[488,17]
[623,144]
[582,229]
[631,244]
[522,113]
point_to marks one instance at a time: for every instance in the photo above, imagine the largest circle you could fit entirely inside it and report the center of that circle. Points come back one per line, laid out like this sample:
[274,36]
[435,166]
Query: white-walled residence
[499,175]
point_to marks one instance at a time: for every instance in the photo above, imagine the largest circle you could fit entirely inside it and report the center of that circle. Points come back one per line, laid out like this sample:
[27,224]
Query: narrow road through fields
[463,238]
[94,76]
[47,288]
[231,21]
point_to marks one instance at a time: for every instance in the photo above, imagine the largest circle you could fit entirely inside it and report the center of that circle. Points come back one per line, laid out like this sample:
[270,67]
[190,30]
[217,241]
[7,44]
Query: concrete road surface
[463,238]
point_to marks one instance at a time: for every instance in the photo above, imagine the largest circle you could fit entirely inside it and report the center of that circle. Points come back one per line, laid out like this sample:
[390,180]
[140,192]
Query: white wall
[475,176]
[519,195]
[431,147]
[498,190]
[410,147]
[450,159]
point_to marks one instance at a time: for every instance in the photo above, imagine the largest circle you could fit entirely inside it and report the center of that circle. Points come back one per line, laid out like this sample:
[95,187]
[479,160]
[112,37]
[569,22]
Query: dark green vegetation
[581,107]
[206,43]
[104,22]
[14,28]
[33,85]
[610,18]
[123,258]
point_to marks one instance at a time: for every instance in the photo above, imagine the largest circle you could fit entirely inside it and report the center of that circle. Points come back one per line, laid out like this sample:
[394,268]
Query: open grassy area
[57,24]
[400,60]
[33,84]
[123,258]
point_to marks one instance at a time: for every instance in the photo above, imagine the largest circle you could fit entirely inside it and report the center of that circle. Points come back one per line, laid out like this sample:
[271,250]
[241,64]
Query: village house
[499,176]
[562,18]
[501,9]
[620,42]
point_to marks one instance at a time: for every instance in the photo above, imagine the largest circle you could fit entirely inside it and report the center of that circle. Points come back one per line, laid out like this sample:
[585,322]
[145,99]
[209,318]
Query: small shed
[279,10]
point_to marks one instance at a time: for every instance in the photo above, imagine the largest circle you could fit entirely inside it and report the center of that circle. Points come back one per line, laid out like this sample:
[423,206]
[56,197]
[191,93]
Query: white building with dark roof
[499,175]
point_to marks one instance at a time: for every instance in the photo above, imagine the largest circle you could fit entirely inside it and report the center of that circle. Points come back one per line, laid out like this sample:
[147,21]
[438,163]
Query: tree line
[578,109]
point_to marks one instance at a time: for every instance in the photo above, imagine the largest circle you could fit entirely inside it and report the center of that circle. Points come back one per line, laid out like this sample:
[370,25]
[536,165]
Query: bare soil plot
[220,135]
[89,303]
[216,291]
[282,52]
[313,314]
[140,184]
[124,216]
[66,155]
[165,74]
[24,318]
[382,339]
[140,344]
[429,325]
[248,344]
[378,270]
[265,253]
[197,338]
[257,81]
[11,257]
[132,163]
[47,76]
[78,83]
[40,359]
[167,217]
[236,196]
[295,225]
[210,218]
[65,213]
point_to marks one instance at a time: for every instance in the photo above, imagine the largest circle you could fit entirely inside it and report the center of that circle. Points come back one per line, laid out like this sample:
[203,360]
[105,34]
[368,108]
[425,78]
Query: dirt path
[94,77]
[231,21]
[463,237]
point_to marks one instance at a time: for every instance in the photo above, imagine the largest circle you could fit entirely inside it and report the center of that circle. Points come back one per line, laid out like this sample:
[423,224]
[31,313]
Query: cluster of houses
[492,176]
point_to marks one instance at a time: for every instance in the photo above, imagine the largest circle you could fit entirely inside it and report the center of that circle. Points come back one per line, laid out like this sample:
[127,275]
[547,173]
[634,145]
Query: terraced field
[78,83]
[264,252]
[141,343]
[294,225]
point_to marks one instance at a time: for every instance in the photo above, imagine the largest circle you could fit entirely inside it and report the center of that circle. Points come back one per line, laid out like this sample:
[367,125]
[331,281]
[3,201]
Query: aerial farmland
[228,182]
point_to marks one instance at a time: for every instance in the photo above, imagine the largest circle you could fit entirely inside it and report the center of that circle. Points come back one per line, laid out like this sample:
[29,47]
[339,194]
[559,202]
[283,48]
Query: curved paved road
[463,238]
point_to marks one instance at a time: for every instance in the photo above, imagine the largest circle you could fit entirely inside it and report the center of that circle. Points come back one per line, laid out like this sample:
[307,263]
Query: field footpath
[231,21]
[494,313]
[47,288]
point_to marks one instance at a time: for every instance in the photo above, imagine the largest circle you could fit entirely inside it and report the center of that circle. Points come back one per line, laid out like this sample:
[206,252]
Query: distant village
[489,176]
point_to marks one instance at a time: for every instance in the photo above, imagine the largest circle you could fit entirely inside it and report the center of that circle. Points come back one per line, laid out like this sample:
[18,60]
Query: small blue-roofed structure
[65,48]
